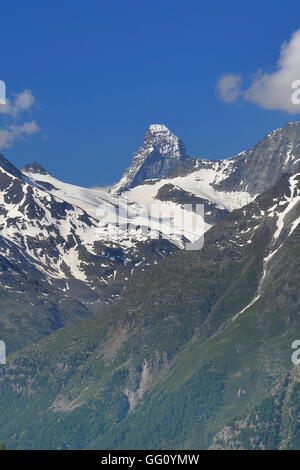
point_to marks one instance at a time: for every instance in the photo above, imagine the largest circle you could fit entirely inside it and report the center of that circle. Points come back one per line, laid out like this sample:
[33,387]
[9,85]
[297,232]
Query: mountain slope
[119,213]
[252,171]
[57,262]
[260,167]
[192,343]
[272,424]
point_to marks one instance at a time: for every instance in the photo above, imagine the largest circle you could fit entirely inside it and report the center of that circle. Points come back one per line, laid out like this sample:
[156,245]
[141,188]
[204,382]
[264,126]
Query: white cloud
[12,110]
[16,132]
[274,90]
[228,87]
[22,102]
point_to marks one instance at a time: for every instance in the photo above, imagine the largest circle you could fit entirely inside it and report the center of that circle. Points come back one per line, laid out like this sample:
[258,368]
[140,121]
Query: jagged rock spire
[161,152]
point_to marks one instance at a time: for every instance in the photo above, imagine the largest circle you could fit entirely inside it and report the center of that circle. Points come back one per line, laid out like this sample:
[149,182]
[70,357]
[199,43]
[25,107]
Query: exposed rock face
[258,168]
[157,158]
[34,167]
[254,170]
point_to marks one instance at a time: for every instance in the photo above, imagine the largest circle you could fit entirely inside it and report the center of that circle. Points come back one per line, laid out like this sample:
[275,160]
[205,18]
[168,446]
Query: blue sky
[101,72]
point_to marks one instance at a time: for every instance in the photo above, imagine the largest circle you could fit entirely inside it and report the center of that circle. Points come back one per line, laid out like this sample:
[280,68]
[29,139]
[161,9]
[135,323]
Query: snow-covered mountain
[100,238]
[221,185]
[157,158]
[251,171]
[163,180]
[118,211]
[40,227]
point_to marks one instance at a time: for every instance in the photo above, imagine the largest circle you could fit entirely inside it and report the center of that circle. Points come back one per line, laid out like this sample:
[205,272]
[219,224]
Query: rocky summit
[157,158]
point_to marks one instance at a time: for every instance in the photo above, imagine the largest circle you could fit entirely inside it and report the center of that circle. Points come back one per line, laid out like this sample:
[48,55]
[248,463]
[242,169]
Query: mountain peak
[161,152]
[159,135]
[158,128]
[34,168]
[259,167]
